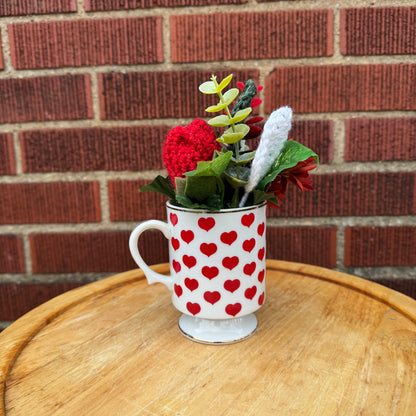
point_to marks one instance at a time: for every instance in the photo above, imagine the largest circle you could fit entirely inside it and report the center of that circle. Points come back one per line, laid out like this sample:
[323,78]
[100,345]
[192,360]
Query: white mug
[217,262]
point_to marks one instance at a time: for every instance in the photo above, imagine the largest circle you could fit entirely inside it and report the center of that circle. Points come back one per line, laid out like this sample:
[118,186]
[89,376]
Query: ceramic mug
[217,264]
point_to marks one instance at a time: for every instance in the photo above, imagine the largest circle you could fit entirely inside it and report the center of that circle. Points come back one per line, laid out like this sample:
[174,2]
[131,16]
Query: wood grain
[327,344]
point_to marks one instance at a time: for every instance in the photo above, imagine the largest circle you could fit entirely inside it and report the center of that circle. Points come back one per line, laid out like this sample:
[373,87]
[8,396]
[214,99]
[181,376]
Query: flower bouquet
[216,165]
[219,183]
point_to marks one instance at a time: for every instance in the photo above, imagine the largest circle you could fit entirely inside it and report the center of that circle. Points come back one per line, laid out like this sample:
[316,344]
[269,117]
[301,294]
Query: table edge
[20,332]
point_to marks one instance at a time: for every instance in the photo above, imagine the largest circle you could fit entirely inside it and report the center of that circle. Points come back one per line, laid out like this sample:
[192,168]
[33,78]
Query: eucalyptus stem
[227,111]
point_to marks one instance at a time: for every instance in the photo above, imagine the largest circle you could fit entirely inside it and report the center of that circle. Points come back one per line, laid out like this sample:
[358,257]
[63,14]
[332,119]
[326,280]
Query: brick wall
[89,88]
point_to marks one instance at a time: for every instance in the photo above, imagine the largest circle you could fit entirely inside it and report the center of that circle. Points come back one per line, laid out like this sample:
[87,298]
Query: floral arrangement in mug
[213,173]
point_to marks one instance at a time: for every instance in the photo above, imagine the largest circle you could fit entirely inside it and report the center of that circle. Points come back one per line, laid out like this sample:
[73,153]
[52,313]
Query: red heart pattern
[178,290]
[176,266]
[249,268]
[193,308]
[212,297]
[208,249]
[191,284]
[206,223]
[191,248]
[231,285]
[248,245]
[260,229]
[233,309]
[228,238]
[175,243]
[187,236]
[173,218]
[247,219]
[250,292]
[230,262]
[189,261]
[210,272]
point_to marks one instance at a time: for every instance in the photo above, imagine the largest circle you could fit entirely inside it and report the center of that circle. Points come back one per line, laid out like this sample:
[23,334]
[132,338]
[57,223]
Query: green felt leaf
[213,203]
[224,83]
[291,154]
[214,167]
[208,87]
[240,115]
[180,185]
[261,196]
[237,177]
[234,134]
[219,121]
[199,188]
[160,185]
[243,158]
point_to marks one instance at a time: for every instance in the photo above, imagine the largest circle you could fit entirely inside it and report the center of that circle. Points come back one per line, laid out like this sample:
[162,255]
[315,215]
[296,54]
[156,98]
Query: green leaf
[214,167]
[228,98]
[243,158]
[234,134]
[199,188]
[213,203]
[180,186]
[291,154]
[219,121]
[237,178]
[208,87]
[224,83]
[261,196]
[161,185]
[240,115]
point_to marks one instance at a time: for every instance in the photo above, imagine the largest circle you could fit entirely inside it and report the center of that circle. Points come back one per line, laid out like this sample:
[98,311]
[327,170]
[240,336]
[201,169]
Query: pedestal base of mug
[218,331]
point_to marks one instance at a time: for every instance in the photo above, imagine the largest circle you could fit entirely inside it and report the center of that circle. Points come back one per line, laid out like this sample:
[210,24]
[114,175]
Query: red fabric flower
[298,175]
[186,146]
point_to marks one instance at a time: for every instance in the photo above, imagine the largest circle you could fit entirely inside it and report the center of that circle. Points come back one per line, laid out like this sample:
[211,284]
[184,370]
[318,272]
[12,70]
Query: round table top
[327,344]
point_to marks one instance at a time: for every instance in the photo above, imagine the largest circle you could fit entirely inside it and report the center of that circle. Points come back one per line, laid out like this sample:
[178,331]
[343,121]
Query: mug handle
[151,276]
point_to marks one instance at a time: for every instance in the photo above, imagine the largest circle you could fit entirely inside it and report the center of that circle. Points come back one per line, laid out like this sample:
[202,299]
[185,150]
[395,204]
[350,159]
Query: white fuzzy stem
[273,138]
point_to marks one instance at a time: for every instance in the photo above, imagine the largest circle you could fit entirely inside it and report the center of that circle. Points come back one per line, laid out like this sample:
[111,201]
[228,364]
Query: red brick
[283,34]
[128,204]
[19,7]
[380,246]
[1,55]
[65,97]
[96,5]
[378,31]
[86,42]
[93,252]
[91,149]
[18,299]
[11,254]
[7,159]
[148,95]
[352,194]
[299,244]
[316,89]
[315,134]
[53,202]
[373,139]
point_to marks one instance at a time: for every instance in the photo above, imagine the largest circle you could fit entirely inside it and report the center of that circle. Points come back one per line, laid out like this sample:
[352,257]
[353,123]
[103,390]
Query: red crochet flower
[298,175]
[186,146]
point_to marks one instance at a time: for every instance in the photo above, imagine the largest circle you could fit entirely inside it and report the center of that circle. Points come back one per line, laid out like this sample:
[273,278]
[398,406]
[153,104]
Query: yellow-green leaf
[224,83]
[230,95]
[240,115]
[219,121]
[208,88]
[216,108]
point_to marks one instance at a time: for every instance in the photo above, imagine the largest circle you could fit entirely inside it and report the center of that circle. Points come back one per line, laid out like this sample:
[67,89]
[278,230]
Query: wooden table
[327,344]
